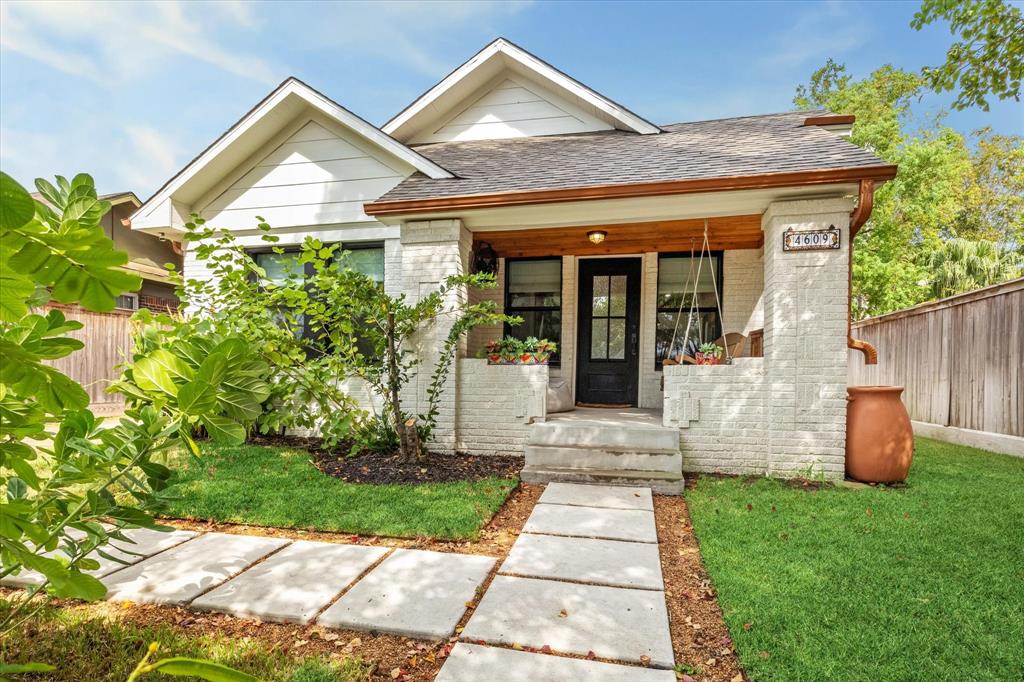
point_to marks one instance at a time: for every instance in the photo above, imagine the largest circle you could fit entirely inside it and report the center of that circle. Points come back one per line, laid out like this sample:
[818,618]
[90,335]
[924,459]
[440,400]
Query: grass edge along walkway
[279,487]
[924,582]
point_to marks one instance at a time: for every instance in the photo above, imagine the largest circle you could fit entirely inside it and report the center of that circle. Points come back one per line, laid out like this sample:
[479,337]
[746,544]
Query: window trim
[556,361]
[719,281]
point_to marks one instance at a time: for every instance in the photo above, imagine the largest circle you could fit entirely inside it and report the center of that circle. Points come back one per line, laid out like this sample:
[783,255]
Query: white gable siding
[514,108]
[316,176]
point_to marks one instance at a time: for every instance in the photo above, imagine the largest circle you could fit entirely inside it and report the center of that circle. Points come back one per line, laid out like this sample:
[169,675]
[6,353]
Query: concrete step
[660,482]
[602,436]
[567,457]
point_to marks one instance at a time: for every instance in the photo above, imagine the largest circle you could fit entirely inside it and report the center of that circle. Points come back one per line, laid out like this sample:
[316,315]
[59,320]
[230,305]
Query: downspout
[858,217]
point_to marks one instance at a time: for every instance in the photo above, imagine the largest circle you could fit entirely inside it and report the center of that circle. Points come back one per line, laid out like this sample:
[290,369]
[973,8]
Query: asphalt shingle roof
[753,145]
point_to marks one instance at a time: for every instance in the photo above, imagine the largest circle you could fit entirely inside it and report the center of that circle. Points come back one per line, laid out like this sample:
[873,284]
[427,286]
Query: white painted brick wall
[728,431]
[496,422]
[432,251]
[784,414]
[742,293]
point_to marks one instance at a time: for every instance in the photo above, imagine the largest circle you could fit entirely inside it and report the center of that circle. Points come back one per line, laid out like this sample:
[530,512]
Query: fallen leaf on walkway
[517,646]
[563,614]
[591,655]
[330,636]
[396,673]
[546,649]
[645,660]
[355,641]
[747,626]
[687,678]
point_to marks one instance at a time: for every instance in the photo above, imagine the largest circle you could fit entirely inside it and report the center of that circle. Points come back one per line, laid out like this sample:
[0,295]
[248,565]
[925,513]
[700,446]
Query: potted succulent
[709,354]
[527,351]
[543,350]
[511,348]
[493,352]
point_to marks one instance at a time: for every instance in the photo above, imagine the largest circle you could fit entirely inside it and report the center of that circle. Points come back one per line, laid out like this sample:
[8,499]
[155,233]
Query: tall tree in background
[945,189]
[988,58]
[961,265]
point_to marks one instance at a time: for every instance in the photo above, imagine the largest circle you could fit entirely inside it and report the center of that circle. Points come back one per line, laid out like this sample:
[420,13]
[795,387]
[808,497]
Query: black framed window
[364,257]
[533,291]
[676,277]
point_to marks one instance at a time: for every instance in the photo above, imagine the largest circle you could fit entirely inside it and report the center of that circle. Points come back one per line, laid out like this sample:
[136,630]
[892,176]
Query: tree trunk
[409,448]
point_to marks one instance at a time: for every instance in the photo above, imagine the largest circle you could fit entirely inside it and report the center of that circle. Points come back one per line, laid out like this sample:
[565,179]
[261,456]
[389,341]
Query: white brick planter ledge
[584,576]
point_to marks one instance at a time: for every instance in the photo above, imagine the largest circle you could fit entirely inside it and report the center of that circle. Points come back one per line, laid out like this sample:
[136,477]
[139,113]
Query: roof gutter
[858,217]
[621,191]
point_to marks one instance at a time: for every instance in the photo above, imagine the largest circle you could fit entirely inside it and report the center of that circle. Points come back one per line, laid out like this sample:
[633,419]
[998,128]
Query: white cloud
[148,159]
[406,32]
[825,30]
[114,42]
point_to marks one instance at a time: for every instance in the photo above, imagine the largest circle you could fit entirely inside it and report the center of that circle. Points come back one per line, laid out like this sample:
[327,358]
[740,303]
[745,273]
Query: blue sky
[131,91]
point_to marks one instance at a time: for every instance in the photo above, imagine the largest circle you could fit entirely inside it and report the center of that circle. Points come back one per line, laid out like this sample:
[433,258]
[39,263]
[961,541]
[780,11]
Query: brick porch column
[805,303]
[431,251]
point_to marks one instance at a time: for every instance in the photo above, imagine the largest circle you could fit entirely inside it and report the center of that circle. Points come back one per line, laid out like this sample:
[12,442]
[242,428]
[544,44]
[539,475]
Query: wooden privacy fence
[961,359]
[107,339]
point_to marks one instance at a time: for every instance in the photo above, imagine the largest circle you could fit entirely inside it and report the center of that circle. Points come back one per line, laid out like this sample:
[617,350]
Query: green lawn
[920,583]
[84,645]
[280,487]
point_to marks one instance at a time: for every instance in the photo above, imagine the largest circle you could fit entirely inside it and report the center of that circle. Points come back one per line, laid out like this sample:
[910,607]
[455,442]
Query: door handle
[633,344]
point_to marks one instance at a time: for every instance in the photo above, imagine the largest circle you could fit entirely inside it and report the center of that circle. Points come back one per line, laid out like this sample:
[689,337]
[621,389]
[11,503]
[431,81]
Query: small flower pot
[507,359]
[541,358]
[494,358]
[527,359]
[707,359]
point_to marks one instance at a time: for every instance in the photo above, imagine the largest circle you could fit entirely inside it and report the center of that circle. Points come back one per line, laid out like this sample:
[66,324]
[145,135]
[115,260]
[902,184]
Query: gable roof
[755,151]
[264,120]
[498,56]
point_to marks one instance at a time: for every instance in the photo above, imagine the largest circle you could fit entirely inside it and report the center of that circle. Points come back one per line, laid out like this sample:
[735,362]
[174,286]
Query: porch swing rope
[705,247]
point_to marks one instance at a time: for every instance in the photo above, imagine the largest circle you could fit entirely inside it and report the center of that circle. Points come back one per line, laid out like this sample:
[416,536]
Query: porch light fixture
[596,236]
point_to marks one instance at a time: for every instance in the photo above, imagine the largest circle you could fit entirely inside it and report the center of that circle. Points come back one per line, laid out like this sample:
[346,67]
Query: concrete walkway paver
[608,496]
[293,584]
[179,575]
[472,662]
[613,622]
[145,544]
[412,593]
[599,562]
[589,522]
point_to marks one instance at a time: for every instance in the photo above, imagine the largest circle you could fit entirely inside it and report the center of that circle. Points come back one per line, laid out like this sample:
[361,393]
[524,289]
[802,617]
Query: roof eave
[531,62]
[879,174]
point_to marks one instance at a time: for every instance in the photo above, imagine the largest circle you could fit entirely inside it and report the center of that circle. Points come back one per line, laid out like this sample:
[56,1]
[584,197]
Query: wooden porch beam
[729,232]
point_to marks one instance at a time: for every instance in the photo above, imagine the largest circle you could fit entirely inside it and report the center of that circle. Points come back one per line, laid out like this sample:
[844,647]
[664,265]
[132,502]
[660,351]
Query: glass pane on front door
[608,318]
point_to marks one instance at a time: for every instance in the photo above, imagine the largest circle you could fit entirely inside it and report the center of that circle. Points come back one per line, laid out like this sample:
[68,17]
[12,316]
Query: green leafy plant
[988,59]
[58,463]
[328,325]
[196,377]
[963,265]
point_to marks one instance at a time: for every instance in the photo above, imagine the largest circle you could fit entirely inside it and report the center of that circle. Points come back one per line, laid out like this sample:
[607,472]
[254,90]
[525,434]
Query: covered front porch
[620,306]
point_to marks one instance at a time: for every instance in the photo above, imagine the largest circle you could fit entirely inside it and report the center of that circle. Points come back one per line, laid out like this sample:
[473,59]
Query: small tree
[326,322]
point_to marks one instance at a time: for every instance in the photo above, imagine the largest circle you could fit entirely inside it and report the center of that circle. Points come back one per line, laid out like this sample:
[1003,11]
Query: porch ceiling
[725,232]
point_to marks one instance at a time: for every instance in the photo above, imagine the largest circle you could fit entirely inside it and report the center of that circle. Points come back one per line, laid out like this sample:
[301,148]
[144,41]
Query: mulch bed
[700,639]
[380,468]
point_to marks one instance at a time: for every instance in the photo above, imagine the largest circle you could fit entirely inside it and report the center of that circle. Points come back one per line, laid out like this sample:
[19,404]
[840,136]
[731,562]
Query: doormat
[604,406]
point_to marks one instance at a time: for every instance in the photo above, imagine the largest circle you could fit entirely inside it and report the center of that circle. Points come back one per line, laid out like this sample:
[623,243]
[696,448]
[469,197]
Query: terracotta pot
[494,358]
[879,439]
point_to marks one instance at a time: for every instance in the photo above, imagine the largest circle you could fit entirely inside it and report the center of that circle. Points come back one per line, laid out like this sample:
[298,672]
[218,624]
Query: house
[598,218]
[147,254]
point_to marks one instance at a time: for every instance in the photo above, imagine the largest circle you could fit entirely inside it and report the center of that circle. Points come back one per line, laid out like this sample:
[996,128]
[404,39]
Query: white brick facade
[786,413]
[495,422]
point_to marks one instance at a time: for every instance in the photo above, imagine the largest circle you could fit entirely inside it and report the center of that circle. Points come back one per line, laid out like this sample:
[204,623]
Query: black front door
[609,331]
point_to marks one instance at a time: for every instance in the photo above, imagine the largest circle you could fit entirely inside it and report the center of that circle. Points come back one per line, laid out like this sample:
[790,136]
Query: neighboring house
[107,336]
[147,254]
[509,153]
